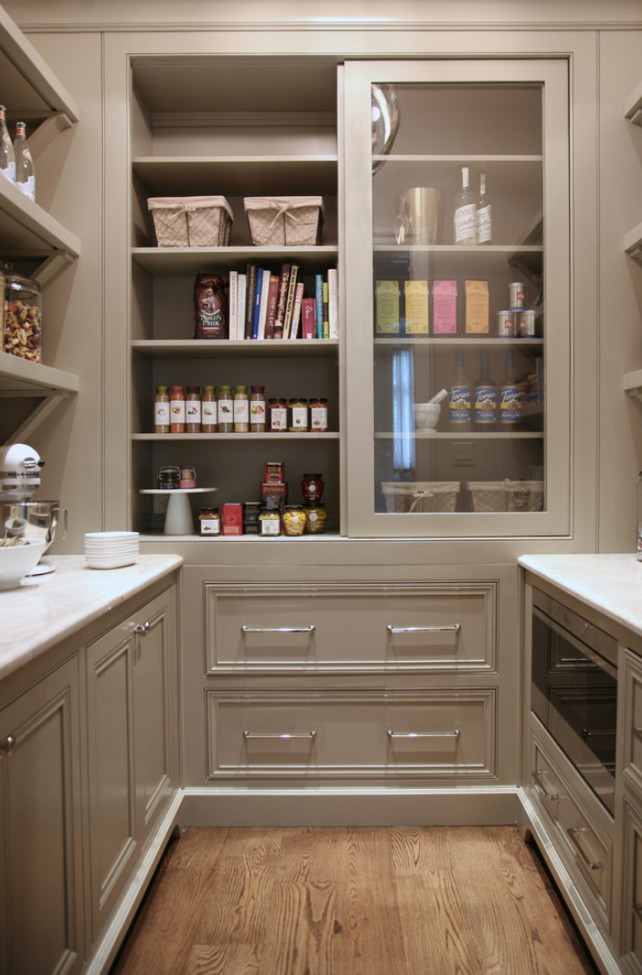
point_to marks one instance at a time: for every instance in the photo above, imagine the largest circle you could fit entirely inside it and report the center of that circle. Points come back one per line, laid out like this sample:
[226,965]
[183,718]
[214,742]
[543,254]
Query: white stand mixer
[20,516]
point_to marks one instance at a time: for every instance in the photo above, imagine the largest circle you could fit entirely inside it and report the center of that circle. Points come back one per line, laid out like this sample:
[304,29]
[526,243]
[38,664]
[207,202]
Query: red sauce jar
[312,486]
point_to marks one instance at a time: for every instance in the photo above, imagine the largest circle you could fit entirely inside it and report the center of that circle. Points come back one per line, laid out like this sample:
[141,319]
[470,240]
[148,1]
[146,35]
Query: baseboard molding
[465,806]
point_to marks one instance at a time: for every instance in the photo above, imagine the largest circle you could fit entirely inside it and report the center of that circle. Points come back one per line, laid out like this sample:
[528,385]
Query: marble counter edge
[610,583]
[47,609]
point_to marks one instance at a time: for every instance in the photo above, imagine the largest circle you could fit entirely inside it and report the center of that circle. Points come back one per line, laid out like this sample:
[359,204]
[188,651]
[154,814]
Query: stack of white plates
[110,550]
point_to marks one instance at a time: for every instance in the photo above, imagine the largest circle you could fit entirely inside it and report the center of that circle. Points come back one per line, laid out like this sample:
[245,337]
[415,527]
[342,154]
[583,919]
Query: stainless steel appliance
[20,514]
[574,690]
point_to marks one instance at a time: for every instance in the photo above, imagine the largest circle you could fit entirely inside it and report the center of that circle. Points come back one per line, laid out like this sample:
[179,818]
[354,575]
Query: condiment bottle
[225,410]
[209,521]
[257,409]
[312,487]
[278,410]
[177,409]
[319,415]
[510,397]
[270,518]
[241,410]
[298,415]
[209,418]
[188,478]
[161,410]
[193,409]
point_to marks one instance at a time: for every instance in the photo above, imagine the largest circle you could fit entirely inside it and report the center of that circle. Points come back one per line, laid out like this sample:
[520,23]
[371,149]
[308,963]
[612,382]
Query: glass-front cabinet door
[457,298]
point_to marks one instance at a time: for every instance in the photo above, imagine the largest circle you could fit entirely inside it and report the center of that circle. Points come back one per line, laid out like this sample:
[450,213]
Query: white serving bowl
[17,561]
[427,415]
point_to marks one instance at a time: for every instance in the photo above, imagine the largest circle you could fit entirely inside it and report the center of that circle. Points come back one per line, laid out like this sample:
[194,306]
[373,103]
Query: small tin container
[505,323]
[516,294]
[251,511]
[527,324]
[232,518]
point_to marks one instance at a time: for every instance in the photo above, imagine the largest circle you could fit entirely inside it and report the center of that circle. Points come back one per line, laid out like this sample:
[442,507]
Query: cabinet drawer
[586,850]
[632,889]
[326,733]
[323,628]
[632,682]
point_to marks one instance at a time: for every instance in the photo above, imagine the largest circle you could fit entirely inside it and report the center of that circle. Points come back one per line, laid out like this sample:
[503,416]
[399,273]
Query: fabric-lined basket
[281,220]
[424,496]
[191,221]
[506,495]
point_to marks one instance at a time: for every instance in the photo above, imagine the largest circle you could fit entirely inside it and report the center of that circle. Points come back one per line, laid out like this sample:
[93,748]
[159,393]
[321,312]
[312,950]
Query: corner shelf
[20,378]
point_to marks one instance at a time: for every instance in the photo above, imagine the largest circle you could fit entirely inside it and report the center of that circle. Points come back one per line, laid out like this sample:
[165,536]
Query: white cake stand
[178,517]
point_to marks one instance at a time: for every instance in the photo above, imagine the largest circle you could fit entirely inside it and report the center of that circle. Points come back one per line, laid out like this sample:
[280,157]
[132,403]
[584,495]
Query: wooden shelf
[183,261]
[204,348]
[33,380]
[247,437]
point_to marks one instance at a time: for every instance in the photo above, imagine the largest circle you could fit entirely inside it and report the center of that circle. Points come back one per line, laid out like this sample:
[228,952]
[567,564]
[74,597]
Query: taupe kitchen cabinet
[631,663]
[41,899]
[132,743]
[424,308]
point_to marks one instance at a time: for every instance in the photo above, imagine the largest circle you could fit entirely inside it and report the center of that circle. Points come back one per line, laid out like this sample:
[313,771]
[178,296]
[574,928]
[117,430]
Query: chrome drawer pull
[587,733]
[552,797]
[452,628]
[251,736]
[278,629]
[7,746]
[142,628]
[424,734]
[573,832]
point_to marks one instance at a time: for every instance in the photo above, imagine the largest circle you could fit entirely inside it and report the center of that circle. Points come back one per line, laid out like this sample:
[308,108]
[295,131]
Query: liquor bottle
[25,173]
[510,397]
[485,410]
[7,155]
[460,400]
[465,213]
[484,214]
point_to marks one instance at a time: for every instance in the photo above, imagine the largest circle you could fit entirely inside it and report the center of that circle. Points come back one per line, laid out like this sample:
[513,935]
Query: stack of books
[265,305]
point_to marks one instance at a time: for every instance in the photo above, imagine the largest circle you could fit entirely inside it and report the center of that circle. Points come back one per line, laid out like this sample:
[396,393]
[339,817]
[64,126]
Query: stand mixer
[20,516]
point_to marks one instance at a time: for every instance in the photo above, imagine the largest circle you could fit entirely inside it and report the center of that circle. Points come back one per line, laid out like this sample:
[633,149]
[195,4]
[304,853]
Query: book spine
[318,294]
[273,295]
[240,324]
[265,291]
[289,305]
[282,301]
[250,296]
[326,325]
[333,304]
[233,304]
[308,316]
[257,304]
[296,311]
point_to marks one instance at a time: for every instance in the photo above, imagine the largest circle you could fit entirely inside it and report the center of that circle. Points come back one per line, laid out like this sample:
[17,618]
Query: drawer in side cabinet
[632,889]
[356,628]
[430,733]
[632,683]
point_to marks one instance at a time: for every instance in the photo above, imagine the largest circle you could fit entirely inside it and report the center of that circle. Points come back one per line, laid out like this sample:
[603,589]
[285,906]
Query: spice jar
[241,410]
[315,518]
[209,521]
[193,409]
[270,519]
[293,519]
[188,478]
[209,418]
[177,409]
[257,409]
[161,410]
[22,317]
[168,478]
[298,415]
[225,410]
[312,487]
[319,415]
[278,411]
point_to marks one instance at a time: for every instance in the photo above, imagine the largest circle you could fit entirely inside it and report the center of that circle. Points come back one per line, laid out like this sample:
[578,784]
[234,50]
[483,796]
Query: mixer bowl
[35,520]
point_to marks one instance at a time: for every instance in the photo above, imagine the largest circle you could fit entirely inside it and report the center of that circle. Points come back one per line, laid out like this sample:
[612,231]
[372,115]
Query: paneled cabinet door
[476,308]
[40,834]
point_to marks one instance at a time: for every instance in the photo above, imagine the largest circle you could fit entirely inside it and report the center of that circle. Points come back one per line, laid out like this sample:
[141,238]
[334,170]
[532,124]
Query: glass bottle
[241,410]
[161,410]
[25,173]
[319,414]
[209,410]
[510,397]
[460,400]
[7,155]
[485,412]
[177,409]
[225,410]
[278,410]
[638,504]
[298,409]
[465,212]
[484,215]
[257,409]
[193,409]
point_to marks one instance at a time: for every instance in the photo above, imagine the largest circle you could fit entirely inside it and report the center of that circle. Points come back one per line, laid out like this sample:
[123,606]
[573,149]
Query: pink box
[444,307]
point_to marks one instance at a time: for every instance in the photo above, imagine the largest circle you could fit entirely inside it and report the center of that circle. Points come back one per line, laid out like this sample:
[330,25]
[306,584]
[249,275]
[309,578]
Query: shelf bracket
[38,415]
[50,267]
[47,132]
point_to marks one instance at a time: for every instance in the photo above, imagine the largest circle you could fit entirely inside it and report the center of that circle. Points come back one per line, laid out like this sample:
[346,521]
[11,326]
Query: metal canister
[527,325]
[516,294]
[505,323]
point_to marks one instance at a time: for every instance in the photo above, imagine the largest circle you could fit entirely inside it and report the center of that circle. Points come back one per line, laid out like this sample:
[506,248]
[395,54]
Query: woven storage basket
[280,220]
[506,495]
[408,496]
[525,495]
[487,495]
[191,221]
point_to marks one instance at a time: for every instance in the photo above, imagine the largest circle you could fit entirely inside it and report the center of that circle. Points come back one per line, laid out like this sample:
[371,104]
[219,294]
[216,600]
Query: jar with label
[315,518]
[209,417]
[225,410]
[193,409]
[161,410]
[177,409]
[209,521]
[319,415]
[270,519]
[312,487]
[293,519]
[257,409]
[188,478]
[298,409]
[22,318]
[241,410]
[169,478]
[278,412]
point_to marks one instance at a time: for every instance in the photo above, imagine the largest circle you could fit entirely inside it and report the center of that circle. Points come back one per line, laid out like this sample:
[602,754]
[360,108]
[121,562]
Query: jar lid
[293,507]
[178,389]
[258,389]
[240,389]
[162,389]
[225,389]
[314,504]
[209,390]
[194,389]
[271,504]
[313,475]
[19,281]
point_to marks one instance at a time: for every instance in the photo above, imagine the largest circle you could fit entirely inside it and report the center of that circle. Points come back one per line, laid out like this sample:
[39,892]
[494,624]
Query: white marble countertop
[611,584]
[45,609]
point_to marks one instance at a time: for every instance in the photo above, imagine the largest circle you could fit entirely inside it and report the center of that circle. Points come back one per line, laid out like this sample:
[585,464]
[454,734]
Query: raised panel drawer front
[355,628]
[632,892]
[587,852]
[633,718]
[323,734]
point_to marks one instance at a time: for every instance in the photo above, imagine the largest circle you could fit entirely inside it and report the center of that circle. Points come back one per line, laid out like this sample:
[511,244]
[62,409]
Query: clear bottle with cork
[7,154]
[25,172]
[465,212]
[484,214]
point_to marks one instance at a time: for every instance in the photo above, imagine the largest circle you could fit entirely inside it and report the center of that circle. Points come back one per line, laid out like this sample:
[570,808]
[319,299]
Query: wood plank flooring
[352,901]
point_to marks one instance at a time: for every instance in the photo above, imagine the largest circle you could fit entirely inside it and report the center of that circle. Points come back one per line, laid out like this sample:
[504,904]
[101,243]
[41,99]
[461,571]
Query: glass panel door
[457,298]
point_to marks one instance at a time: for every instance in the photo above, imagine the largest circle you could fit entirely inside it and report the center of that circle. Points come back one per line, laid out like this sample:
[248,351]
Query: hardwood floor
[352,901]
